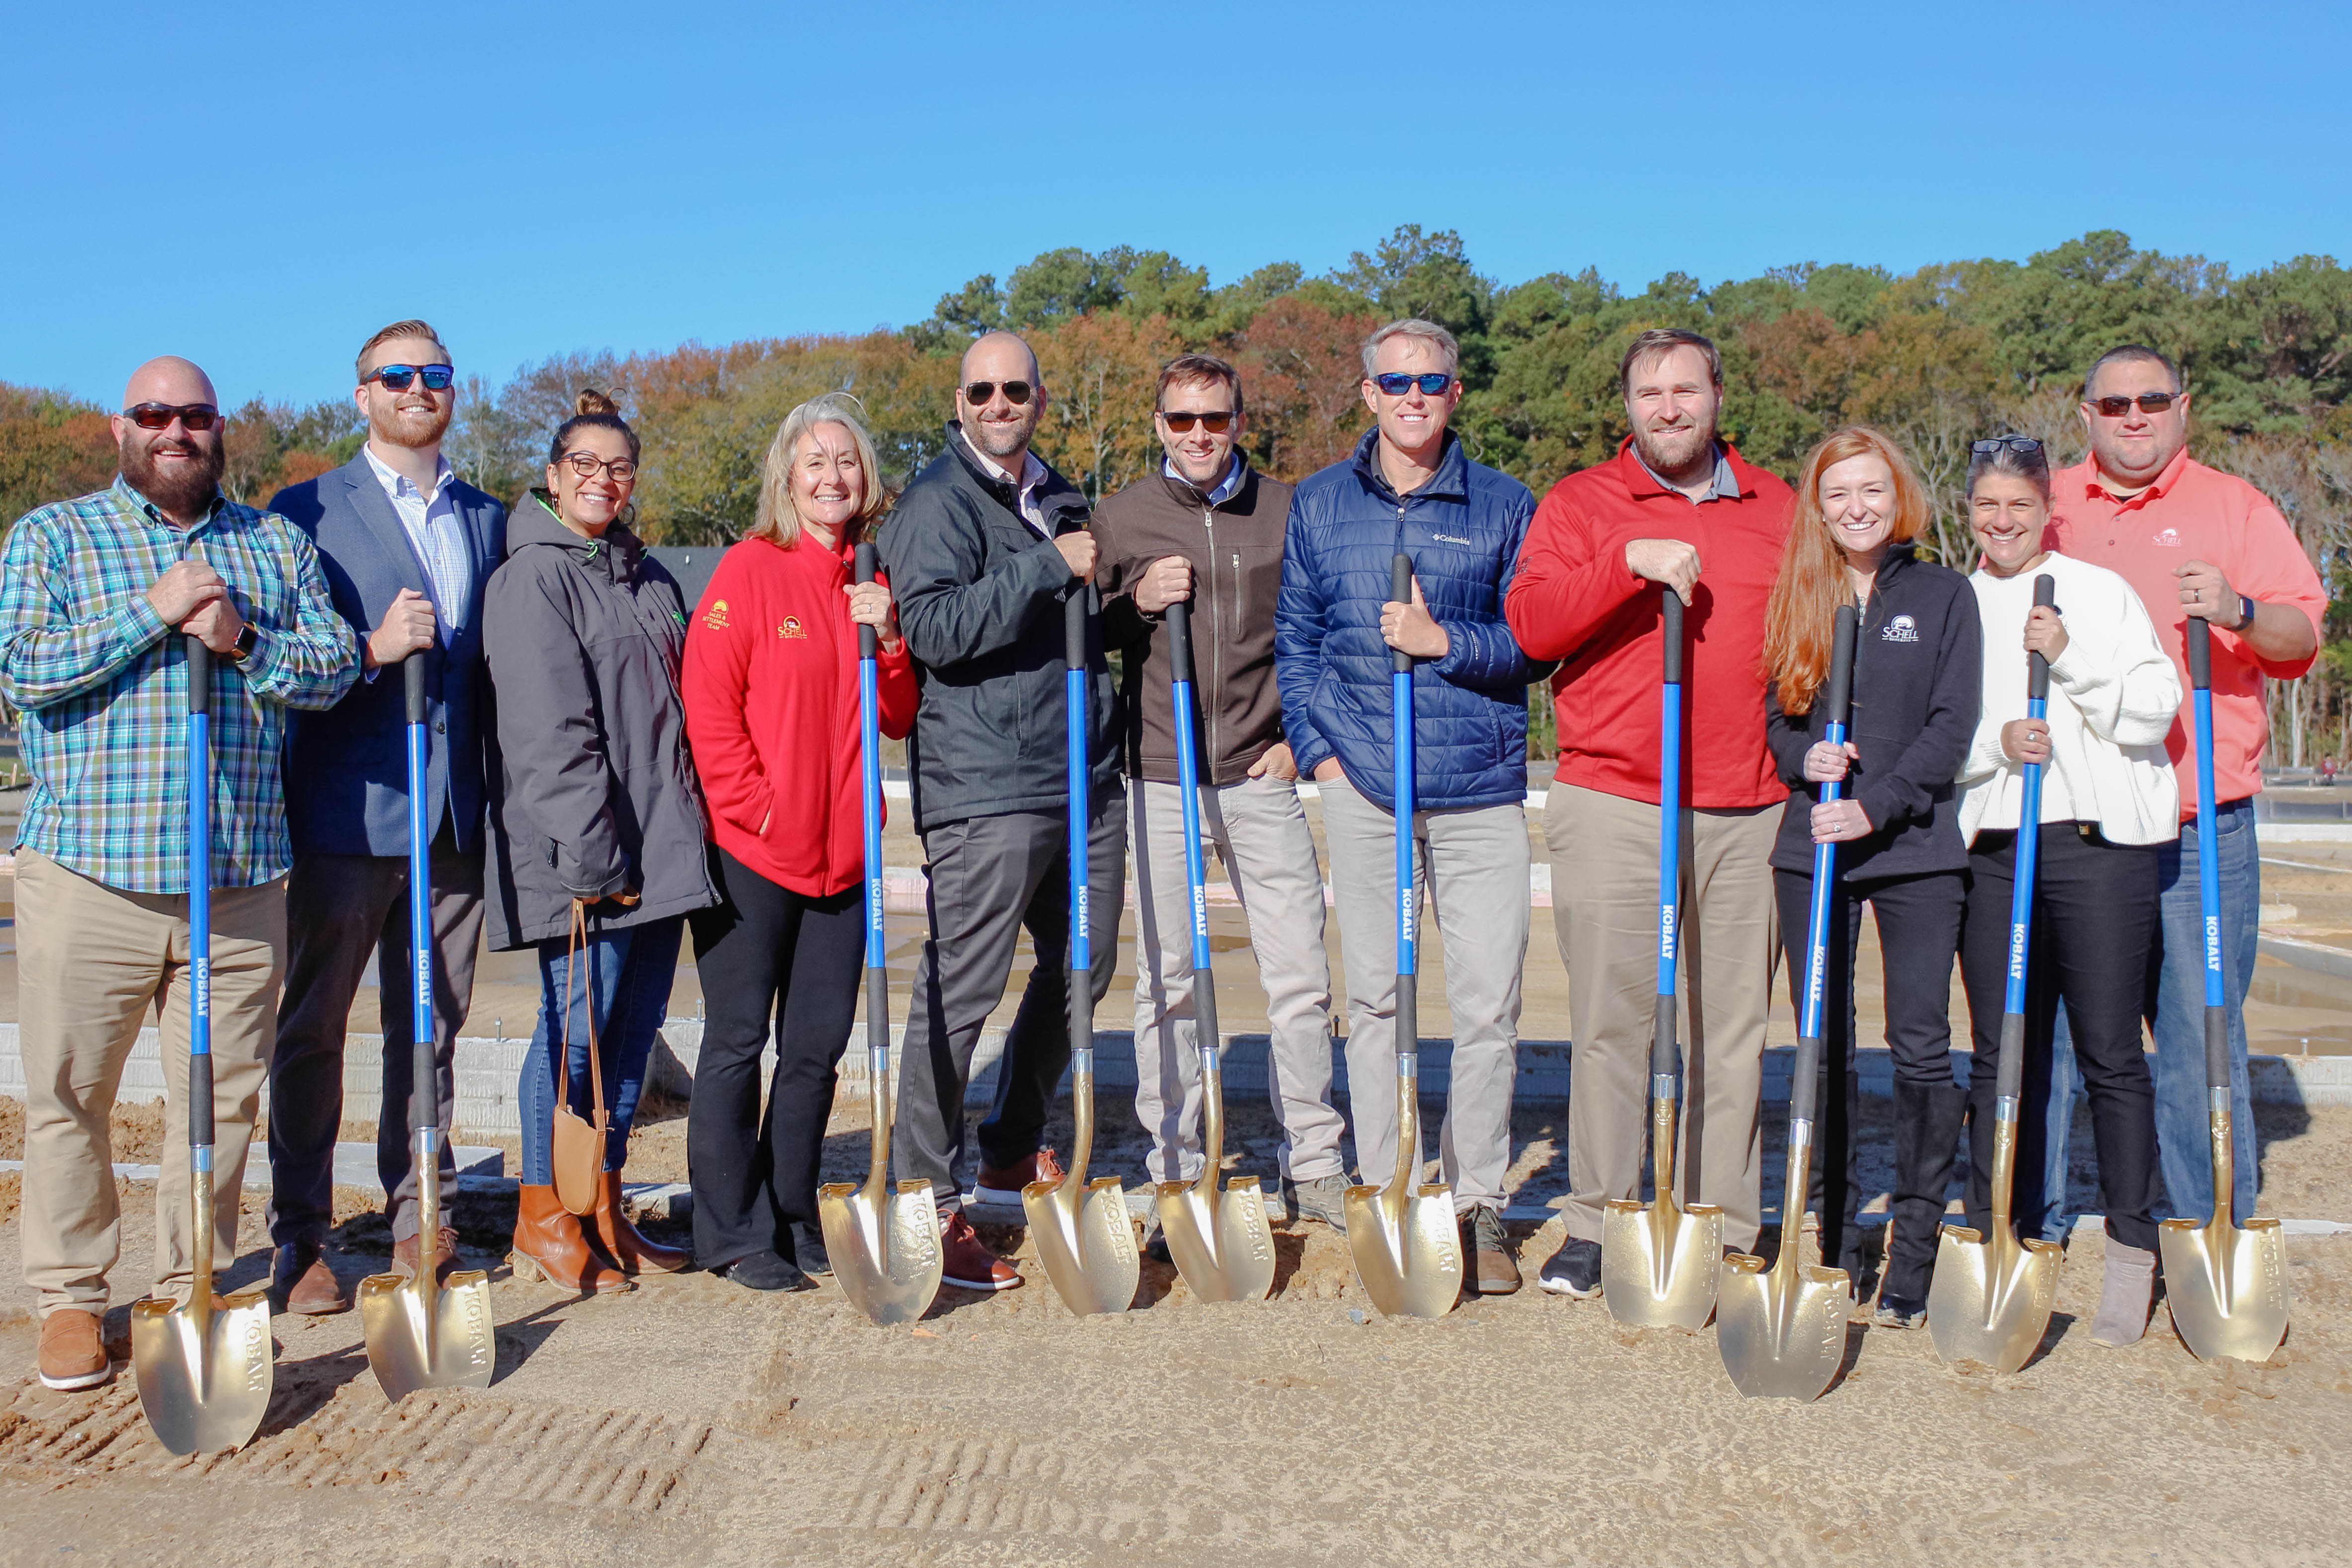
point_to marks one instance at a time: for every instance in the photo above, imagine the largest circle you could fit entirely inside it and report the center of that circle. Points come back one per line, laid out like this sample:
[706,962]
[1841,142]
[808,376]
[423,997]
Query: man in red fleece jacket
[1677,510]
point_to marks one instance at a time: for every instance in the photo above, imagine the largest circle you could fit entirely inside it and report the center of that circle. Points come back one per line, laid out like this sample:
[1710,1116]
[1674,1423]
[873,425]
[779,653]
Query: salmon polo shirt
[2195,512]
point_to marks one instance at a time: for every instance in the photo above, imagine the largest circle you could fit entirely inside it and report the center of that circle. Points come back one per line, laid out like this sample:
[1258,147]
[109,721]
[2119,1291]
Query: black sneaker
[767,1271]
[808,1249]
[1574,1270]
[1899,1311]
[1157,1248]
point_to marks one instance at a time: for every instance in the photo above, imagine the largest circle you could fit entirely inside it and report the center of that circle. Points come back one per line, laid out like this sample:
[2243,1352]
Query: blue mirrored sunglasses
[1396,383]
[396,378]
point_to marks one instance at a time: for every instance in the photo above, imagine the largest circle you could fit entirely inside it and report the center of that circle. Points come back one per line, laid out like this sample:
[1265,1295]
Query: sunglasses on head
[979,392]
[2005,444]
[2149,402]
[159,416]
[1216,421]
[397,378]
[1396,383]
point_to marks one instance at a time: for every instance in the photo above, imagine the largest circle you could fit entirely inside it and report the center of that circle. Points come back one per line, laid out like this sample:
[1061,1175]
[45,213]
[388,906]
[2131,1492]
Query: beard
[1000,441]
[185,489]
[414,427]
[1669,452]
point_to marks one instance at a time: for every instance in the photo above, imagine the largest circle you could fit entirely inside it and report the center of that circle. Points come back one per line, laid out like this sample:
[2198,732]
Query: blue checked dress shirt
[102,684]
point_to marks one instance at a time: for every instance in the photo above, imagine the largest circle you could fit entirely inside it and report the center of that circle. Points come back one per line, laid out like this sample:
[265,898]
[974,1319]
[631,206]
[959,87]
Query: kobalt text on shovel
[204,1368]
[1782,1333]
[884,1249]
[2226,1286]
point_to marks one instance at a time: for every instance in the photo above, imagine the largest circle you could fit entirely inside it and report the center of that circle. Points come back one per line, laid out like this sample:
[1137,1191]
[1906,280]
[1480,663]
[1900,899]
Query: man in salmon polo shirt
[1675,510]
[2194,541]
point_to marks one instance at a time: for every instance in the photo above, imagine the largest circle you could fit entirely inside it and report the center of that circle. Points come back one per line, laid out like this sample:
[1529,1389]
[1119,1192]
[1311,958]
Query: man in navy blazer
[407,548]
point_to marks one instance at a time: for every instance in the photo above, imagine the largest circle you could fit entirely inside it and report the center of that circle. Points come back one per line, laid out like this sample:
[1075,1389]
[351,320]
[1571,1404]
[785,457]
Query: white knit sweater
[2114,696]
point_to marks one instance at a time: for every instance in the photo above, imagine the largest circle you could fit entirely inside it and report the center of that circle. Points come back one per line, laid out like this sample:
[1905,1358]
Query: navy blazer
[347,767]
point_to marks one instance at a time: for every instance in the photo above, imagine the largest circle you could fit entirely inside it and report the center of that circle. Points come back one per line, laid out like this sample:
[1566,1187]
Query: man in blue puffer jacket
[1410,487]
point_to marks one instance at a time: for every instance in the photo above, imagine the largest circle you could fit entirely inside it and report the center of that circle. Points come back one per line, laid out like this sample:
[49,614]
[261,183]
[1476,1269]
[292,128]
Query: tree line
[1936,357]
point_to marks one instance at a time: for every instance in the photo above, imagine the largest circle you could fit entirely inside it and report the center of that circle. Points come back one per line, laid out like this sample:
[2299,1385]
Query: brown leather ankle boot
[623,1242]
[549,1245]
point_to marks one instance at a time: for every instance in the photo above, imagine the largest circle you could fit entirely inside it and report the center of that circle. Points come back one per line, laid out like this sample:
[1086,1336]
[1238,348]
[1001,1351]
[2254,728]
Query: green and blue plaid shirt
[103,685]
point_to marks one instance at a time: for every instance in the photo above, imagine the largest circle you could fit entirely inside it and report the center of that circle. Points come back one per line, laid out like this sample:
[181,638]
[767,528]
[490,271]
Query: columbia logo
[1448,540]
[1901,629]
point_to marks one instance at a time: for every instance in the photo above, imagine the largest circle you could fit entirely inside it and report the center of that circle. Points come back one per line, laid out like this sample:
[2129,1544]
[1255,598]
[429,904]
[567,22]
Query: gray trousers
[1258,828]
[990,878]
[1473,865]
[339,910]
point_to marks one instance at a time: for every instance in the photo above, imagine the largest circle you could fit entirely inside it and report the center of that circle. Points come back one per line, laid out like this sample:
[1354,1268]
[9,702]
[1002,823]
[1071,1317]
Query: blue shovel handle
[200,904]
[1187,784]
[869,749]
[1408,1001]
[2209,858]
[1807,1065]
[2009,1079]
[424,1066]
[1082,1022]
[1665,1052]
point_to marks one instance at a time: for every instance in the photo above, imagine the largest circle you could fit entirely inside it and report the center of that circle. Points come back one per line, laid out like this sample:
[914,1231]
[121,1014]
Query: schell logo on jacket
[1901,629]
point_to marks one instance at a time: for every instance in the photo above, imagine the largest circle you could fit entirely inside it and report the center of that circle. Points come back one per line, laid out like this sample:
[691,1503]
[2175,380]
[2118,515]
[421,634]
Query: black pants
[2094,927]
[1919,933]
[766,953]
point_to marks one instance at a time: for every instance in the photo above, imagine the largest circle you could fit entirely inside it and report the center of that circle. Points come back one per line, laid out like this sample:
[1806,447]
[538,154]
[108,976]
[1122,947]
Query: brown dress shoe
[444,1256]
[623,1242]
[299,1278]
[966,1261]
[548,1245]
[1003,1185]
[72,1353]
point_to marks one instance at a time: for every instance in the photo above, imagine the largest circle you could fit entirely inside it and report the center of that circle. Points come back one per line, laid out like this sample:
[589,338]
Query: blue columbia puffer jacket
[1462,530]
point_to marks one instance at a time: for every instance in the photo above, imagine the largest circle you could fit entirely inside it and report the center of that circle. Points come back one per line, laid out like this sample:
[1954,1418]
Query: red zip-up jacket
[771,686]
[1574,599]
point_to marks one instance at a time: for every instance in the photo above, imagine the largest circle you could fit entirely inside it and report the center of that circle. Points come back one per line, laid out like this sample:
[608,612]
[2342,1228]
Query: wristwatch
[247,640]
[2245,612]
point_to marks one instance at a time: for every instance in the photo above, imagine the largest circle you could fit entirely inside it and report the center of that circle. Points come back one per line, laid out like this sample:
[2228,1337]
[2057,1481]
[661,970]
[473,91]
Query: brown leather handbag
[579,1156]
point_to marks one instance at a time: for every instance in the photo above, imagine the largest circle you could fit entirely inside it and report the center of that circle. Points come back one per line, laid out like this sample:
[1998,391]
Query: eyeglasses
[159,416]
[979,392]
[1396,383]
[2005,444]
[396,378]
[2149,402]
[585,465]
[1216,421]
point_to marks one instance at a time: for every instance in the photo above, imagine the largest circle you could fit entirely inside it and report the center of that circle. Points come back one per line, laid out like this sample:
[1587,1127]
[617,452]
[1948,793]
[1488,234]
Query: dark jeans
[767,954]
[1918,935]
[2095,926]
[626,974]
[990,878]
[341,910]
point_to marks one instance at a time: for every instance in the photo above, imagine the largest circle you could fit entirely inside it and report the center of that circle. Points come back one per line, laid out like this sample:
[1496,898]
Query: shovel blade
[1781,1331]
[886,1255]
[1408,1250]
[202,1391]
[1085,1241]
[1660,1264]
[456,1348]
[1989,1303]
[1221,1242]
[2227,1287]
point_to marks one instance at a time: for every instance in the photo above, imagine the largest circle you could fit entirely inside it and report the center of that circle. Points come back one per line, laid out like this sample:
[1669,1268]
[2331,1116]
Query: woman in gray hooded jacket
[598,813]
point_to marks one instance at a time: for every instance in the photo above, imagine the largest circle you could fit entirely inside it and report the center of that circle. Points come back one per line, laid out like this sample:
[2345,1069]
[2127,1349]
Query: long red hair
[1800,618]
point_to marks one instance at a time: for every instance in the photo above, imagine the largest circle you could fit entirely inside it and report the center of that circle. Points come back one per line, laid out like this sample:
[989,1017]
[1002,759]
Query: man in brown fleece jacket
[1208,529]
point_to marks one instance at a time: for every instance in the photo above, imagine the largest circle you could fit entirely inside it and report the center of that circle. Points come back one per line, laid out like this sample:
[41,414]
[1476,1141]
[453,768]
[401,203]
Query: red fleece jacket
[771,687]
[1574,599]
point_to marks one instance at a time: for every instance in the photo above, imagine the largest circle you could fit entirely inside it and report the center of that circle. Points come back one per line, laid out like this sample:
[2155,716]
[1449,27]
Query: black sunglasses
[159,416]
[1396,383]
[1216,421]
[978,392]
[396,378]
[2149,402]
[2005,444]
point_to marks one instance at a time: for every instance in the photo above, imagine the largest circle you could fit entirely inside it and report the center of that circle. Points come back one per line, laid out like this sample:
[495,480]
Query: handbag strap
[571,959]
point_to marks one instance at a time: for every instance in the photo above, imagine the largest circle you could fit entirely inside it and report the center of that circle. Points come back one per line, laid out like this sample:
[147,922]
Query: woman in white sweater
[2108,799]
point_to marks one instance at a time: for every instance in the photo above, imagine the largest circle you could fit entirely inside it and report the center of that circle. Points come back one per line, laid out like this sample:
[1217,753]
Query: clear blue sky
[260,186]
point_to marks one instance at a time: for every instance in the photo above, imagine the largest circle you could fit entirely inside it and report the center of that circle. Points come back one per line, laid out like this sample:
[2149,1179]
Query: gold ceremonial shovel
[203,1369]
[1405,1239]
[1782,1332]
[884,1249]
[2227,1287]
[1084,1236]
[1219,1241]
[1660,1262]
[420,1332]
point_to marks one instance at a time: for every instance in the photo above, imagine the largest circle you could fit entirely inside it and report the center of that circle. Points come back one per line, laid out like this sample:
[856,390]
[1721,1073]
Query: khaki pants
[91,960]
[1473,865]
[1258,828]
[1604,856]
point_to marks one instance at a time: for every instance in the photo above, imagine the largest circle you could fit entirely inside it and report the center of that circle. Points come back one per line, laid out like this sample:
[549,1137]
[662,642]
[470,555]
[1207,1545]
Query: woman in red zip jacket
[771,684]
